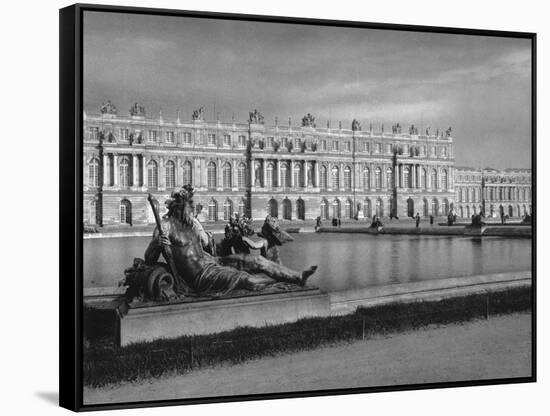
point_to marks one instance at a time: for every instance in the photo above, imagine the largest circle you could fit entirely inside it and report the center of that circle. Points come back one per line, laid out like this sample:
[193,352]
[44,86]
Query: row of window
[154,136]
[271,180]
[511,211]
[152,181]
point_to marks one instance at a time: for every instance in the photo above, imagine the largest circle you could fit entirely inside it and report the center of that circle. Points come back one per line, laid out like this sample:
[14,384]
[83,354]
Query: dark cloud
[478,85]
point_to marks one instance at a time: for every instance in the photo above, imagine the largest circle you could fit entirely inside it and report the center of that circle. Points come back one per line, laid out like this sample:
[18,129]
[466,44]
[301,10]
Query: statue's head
[272,232]
[180,204]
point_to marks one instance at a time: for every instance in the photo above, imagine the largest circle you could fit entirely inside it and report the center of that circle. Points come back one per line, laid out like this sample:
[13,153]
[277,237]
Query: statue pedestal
[147,322]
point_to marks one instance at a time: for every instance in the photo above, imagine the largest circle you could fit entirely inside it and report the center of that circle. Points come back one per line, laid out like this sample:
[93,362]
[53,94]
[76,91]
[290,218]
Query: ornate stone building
[292,172]
[492,191]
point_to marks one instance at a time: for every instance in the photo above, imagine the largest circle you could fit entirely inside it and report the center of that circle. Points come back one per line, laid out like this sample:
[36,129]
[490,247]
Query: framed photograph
[263,207]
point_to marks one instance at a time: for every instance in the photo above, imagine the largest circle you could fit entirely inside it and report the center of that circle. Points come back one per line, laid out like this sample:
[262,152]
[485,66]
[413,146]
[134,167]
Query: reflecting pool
[347,261]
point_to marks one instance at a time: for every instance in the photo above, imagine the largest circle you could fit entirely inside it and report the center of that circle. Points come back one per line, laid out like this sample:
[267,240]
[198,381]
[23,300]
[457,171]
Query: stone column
[115,169]
[203,172]
[106,181]
[264,179]
[161,174]
[291,174]
[135,170]
[316,173]
[219,174]
[235,175]
[253,172]
[342,181]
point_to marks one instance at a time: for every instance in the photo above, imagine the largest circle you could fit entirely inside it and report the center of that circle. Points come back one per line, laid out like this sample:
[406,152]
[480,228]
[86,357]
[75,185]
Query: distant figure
[450,219]
[431,220]
[334,222]
[317,223]
[339,222]
[417,219]
[376,223]
[502,218]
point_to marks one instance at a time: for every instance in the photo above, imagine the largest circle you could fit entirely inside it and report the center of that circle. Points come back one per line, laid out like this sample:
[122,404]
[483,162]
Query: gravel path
[497,348]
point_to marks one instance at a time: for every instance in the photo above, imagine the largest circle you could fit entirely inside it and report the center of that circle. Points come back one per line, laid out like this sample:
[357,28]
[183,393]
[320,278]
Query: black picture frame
[71,210]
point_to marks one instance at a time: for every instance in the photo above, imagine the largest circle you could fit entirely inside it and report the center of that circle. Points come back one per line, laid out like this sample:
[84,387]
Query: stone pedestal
[148,322]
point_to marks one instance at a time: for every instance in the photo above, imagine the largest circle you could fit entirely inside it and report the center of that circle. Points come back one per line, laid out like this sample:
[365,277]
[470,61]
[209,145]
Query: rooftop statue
[137,110]
[308,120]
[179,238]
[255,117]
[448,132]
[108,108]
[198,115]
[355,125]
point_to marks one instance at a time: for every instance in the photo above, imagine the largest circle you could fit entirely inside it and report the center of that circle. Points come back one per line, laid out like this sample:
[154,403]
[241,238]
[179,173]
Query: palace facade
[291,172]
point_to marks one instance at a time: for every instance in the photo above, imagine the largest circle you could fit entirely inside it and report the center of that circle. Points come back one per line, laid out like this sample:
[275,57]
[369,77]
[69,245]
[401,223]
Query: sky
[479,86]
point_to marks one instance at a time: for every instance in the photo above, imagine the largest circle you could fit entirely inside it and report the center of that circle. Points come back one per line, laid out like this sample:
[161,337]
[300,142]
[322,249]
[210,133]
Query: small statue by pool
[477,227]
[179,238]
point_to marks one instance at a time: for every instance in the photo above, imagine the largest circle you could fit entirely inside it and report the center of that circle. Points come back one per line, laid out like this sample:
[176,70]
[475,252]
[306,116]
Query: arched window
[510,211]
[433,179]
[92,218]
[125,212]
[336,208]
[287,209]
[124,172]
[460,212]
[227,209]
[227,176]
[273,208]
[347,178]
[170,170]
[298,175]
[435,207]
[423,179]
[379,208]
[187,173]
[269,180]
[323,177]
[93,172]
[366,178]
[213,210]
[211,175]
[445,207]
[241,206]
[324,209]
[378,178]
[406,177]
[367,209]
[348,208]
[425,210]
[300,209]
[285,175]
[467,212]
[241,175]
[444,179]
[335,178]
[152,174]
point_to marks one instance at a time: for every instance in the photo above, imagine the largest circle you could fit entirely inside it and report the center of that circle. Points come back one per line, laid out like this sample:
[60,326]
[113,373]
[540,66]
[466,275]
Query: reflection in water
[347,261]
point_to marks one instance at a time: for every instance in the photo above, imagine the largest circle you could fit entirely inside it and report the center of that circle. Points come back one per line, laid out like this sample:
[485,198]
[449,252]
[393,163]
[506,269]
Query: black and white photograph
[277,207]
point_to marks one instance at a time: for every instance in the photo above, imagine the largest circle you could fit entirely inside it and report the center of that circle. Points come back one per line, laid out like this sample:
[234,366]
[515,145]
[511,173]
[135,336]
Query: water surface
[347,261]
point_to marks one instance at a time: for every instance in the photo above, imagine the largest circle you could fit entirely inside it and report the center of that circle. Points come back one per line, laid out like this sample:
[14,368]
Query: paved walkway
[497,348]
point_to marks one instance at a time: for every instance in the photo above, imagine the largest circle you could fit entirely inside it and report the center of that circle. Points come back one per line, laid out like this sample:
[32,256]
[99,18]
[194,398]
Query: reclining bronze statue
[180,238]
